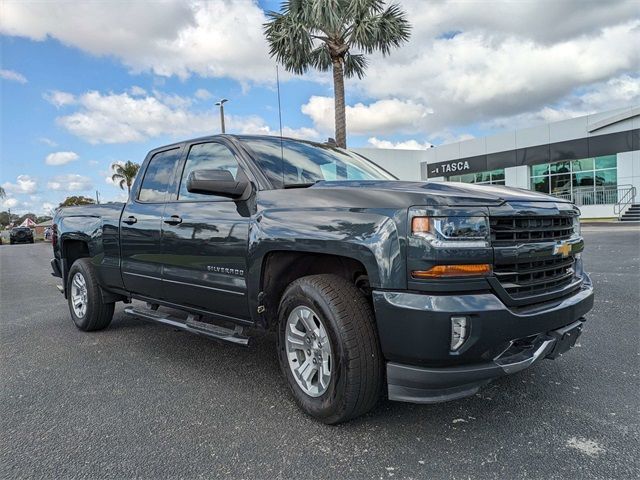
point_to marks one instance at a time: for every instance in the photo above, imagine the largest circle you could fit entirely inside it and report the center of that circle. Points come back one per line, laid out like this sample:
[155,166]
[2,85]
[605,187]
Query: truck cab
[420,291]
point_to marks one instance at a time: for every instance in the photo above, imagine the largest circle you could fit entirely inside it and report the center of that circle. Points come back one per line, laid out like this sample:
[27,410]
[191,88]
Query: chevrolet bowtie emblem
[563,249]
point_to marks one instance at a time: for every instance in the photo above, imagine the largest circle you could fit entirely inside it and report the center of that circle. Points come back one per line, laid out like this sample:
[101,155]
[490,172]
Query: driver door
[205,240]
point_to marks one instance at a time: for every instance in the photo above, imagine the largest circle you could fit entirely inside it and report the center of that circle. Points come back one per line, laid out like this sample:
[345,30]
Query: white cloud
[411,144]
[203,94]
[214,39]
[70,183]
[59,99]
[122,118]
[618,92]
[137,91]
[543,22]
[48,207]
[255,125]
[381,117]
[304,133]
[61,158]
[12,76]
[480,75]
[8,202]
[24,184]
[47,141]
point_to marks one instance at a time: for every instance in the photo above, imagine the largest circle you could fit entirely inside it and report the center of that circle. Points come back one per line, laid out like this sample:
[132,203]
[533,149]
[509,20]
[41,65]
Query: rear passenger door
[140,226]
[205,240]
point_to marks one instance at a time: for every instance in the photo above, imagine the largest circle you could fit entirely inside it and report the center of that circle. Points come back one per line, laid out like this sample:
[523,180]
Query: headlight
[576,226]
[472,232]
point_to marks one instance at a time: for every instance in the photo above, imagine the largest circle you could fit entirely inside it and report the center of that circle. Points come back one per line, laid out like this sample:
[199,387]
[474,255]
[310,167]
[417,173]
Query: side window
[158,176]
[207,156]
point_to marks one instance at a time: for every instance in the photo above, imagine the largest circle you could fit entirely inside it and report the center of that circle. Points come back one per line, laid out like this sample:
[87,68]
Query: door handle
[173,220]
[130,220]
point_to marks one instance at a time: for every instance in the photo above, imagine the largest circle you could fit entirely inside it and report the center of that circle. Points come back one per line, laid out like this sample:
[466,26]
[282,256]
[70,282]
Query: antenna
[280,121]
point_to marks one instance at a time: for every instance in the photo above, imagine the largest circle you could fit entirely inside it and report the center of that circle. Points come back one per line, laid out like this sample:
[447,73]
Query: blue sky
[78,93]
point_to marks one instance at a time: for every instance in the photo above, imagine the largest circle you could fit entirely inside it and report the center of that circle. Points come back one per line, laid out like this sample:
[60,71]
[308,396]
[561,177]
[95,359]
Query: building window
[586,181]
[490,177]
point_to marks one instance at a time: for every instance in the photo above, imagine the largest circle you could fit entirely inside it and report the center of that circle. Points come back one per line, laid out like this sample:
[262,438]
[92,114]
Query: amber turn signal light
[420,225]
[440,271]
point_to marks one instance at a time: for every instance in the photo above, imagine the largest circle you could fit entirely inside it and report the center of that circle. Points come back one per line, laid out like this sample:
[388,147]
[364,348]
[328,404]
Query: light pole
[221,105]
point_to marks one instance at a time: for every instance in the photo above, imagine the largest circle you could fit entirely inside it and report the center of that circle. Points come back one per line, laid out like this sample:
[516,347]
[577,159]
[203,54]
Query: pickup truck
[420,291]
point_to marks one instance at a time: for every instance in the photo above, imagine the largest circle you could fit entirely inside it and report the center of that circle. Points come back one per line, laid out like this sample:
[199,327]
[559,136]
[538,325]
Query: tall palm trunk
[338,95]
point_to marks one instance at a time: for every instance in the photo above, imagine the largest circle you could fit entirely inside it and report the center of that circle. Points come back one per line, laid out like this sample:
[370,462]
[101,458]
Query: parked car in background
[425,291]
[21,235]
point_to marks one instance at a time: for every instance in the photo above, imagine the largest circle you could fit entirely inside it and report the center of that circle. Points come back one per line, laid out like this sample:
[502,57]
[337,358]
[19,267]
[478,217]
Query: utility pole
[221,105]
[97,197]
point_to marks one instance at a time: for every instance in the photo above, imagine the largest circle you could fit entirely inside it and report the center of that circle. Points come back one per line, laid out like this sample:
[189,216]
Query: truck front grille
[515,230]
[529,278]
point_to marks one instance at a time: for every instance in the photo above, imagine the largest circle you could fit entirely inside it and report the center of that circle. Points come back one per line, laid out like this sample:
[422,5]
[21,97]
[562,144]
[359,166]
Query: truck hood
[444,193]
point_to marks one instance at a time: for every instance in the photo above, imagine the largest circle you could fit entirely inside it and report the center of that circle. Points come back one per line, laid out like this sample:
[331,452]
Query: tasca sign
[457,167]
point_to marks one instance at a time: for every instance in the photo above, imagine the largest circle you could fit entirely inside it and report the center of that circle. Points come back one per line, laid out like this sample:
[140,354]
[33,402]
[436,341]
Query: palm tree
[124,174]
[322,33]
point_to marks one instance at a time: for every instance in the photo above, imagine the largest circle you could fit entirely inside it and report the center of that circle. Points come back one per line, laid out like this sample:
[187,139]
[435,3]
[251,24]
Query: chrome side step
[192,325]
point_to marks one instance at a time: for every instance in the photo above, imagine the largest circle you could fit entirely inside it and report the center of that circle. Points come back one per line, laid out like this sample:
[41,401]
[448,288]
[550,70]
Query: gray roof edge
[618,117]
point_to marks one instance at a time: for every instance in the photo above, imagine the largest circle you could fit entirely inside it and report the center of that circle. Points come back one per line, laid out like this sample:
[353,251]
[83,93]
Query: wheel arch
[279,268]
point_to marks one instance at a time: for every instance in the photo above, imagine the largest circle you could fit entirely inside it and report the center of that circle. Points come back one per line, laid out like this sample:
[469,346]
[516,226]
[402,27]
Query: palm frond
[320,58]
[381,31]
[355,64]
[290,44]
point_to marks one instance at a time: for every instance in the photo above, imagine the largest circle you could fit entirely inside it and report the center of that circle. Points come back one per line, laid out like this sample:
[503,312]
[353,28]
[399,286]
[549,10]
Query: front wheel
[328,348]
[88,311]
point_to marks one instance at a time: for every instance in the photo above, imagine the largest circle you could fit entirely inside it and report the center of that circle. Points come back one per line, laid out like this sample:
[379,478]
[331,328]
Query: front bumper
[432,385]
[415,332]
[21,239]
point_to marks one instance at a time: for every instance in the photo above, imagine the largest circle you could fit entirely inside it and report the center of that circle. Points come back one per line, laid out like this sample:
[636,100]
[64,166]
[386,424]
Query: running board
[192,325]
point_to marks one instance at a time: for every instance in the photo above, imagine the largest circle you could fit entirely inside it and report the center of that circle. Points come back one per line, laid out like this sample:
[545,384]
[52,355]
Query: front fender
[370,237]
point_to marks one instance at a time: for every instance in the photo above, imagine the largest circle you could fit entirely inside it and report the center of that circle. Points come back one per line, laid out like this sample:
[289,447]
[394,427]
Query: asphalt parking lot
[143,400]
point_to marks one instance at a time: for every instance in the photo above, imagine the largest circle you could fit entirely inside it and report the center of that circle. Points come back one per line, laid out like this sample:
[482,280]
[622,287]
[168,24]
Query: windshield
[297,163]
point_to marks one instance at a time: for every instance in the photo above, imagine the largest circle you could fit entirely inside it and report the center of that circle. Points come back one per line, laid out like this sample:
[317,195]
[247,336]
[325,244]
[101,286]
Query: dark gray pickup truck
[423,291]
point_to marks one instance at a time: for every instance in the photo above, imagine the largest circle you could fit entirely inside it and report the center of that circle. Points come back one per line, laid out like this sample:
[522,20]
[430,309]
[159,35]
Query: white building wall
[404,164]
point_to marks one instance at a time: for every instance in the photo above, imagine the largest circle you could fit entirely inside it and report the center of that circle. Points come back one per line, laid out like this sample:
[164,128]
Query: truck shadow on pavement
[252,375]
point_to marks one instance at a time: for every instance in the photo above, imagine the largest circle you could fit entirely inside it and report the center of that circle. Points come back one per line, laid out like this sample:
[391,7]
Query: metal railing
[628,198]
[619,196]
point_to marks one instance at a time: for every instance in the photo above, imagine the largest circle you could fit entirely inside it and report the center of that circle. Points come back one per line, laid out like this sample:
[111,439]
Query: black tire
[357,371]
[98,315]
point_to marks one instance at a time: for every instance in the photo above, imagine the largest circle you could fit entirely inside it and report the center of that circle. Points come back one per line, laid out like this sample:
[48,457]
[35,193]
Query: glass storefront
[588,180]
[490,177]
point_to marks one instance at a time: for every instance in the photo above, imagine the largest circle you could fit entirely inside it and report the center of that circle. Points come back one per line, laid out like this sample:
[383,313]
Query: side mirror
[217,182]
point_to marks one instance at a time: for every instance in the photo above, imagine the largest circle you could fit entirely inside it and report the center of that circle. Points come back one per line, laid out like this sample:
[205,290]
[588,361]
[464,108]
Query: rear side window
[158,175]
[207,156]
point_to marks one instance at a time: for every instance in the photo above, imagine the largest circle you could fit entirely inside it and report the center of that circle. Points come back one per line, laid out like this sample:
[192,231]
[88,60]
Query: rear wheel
[328,348]
[88,311]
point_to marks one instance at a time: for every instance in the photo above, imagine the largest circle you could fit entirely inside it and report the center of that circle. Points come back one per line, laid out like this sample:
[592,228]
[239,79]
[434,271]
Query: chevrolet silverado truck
[420,291]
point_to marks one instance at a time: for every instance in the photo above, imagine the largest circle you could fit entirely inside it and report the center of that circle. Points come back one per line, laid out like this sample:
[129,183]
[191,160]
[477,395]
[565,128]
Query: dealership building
[592,160]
